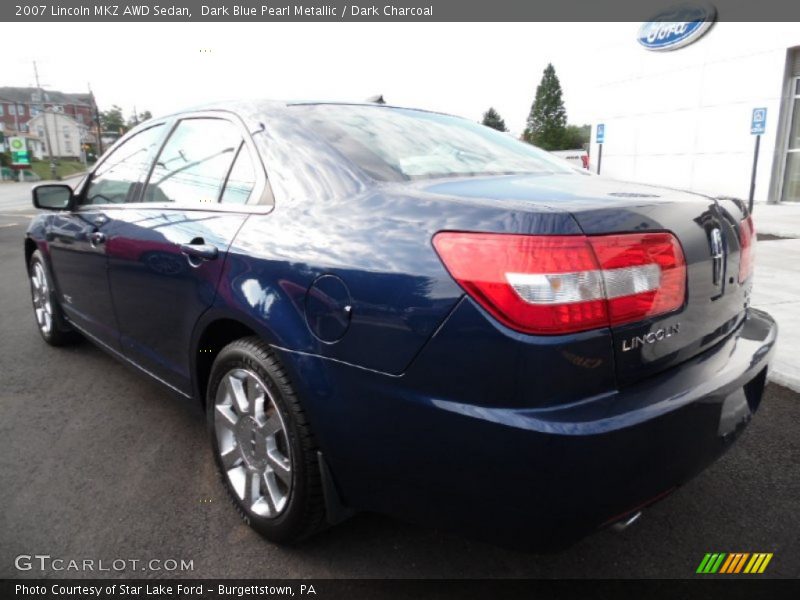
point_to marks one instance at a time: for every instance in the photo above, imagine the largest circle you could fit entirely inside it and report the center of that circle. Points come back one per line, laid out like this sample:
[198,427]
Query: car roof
[251,108]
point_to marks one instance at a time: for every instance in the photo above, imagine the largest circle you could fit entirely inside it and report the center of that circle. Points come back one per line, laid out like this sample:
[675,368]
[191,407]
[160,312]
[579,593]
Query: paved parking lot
[97,462]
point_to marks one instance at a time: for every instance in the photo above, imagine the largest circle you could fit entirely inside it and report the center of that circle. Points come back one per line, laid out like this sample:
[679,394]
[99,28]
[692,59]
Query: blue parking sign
[758,125]
[601,133]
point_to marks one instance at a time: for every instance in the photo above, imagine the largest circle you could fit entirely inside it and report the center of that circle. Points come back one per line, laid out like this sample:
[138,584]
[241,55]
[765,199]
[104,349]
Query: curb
[787,380]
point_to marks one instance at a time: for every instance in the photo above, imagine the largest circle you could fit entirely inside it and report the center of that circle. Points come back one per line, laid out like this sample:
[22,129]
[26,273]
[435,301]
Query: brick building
[18,105]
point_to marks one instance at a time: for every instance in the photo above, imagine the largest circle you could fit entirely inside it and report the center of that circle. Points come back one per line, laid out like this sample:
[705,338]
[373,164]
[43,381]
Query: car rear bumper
[541,477]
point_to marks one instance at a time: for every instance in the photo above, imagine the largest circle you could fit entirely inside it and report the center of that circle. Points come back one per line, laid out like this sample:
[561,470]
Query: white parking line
[8,224]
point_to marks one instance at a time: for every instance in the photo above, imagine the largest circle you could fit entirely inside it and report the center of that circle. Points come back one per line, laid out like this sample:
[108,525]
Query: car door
[76,239]
[166,250]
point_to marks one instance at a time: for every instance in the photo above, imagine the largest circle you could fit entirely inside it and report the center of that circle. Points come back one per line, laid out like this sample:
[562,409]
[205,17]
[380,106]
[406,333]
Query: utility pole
[48,145]
[97,122]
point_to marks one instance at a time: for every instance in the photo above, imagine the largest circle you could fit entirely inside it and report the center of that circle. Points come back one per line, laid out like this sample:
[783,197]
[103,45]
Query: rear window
[396,144]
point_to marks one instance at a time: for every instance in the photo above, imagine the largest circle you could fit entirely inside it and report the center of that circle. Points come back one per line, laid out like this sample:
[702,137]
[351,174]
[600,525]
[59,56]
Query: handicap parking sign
[758,124]
[601,133]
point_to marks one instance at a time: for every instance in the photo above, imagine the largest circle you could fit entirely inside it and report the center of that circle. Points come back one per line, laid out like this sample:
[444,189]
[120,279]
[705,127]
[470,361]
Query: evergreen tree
[491,118]
[548,119]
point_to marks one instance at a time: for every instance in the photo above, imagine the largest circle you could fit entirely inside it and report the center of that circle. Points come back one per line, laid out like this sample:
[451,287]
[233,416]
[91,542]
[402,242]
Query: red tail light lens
[562,284]
[747,243]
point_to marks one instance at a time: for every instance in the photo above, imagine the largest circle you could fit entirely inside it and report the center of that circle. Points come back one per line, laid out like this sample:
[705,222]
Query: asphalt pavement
[99,463]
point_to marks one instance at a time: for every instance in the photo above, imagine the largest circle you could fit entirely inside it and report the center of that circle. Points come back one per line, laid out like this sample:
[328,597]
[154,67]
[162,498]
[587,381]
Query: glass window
[794,129]
[12,109]
[21,110]
[242,178]
[791,181]
[192,166]
[119,177]
[68,146]
[392,144]
[1,109]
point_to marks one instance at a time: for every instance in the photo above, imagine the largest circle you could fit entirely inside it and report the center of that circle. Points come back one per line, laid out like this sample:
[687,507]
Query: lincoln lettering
[650,338]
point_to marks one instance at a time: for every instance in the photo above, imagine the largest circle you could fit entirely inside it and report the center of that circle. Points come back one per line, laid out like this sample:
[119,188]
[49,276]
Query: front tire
[263,444]
[49,318]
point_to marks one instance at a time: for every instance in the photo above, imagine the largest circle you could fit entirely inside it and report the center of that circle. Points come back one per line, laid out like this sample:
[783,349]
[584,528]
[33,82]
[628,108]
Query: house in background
[18,105]
[61,135]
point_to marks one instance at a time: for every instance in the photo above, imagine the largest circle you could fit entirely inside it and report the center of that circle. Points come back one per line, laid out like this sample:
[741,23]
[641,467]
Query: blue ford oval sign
[677,27]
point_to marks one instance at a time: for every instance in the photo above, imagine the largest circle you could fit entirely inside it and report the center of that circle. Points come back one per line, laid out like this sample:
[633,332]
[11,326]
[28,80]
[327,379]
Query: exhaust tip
[622,525]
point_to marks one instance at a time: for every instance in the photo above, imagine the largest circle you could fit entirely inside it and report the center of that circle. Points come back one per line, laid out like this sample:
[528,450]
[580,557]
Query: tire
[50,319]
[258,428]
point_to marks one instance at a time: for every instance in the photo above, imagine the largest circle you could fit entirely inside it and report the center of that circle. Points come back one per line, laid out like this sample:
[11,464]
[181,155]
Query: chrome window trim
[261,192]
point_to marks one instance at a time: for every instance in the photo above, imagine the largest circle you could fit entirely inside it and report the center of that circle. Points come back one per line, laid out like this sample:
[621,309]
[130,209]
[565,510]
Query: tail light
[747,245]
[563,284]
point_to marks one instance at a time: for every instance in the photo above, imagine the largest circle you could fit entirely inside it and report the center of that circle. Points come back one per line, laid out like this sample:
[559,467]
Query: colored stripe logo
[734,563]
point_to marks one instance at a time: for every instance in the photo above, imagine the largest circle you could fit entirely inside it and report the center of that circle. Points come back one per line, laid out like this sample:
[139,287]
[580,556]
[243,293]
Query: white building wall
[65,134]
[682,118]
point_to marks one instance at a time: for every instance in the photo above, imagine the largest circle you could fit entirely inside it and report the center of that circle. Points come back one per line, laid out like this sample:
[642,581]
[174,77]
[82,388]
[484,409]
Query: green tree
[111,120]
[491,118]
[576,136]
[135,118]
[548,119]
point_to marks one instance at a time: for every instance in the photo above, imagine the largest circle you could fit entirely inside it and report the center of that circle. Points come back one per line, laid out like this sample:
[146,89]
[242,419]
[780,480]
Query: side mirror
[52,196]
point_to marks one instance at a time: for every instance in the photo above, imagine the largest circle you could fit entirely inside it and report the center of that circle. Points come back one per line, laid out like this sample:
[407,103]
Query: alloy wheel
[253,443]
[41,299]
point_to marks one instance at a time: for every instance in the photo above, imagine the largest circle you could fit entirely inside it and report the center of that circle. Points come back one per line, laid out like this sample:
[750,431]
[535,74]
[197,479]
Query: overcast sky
[461,68]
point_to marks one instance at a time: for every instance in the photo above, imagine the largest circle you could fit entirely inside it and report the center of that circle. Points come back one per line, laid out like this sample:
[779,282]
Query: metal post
[599,157]
[97,123]
[753,176]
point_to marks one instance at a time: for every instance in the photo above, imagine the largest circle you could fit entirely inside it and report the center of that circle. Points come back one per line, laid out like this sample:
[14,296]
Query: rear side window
[194,162]
[397,144]
[119,177]
[242,178]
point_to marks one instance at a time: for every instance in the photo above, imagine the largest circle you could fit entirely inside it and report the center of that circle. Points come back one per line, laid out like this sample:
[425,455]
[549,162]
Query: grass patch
[64,168]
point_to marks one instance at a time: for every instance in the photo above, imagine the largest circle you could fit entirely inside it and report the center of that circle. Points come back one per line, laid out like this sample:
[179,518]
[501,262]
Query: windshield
[397,144]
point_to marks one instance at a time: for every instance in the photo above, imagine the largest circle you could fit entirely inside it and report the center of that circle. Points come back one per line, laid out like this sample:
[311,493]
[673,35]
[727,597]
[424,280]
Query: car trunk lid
[708,232]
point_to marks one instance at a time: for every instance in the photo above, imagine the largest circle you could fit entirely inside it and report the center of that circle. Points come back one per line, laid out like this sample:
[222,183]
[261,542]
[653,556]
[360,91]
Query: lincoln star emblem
[717,253]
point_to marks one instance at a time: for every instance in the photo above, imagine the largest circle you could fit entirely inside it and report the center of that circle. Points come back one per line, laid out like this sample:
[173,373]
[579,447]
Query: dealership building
[688,115]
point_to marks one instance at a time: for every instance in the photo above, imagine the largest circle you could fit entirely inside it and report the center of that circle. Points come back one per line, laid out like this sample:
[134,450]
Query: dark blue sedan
[406,312]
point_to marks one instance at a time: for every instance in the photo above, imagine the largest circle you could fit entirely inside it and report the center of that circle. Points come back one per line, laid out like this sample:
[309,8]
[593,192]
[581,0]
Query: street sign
[758,124]
[601,133]
[20,157]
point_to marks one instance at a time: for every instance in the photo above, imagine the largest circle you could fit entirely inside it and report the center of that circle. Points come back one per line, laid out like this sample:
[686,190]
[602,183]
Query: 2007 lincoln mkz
[405,312]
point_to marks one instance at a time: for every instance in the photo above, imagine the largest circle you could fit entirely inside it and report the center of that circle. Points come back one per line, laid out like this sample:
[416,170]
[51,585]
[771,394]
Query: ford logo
[677,27]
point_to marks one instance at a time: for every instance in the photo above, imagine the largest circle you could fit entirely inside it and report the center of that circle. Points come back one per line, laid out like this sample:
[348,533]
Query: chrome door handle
[96,238]
[201,251]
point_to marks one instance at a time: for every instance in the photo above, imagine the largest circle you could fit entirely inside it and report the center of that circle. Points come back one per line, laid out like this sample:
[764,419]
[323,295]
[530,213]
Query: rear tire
[263,444]
[49,317]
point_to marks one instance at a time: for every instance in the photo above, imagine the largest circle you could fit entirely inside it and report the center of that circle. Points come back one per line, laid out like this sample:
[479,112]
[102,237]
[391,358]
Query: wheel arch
[211,336]
[30,248]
